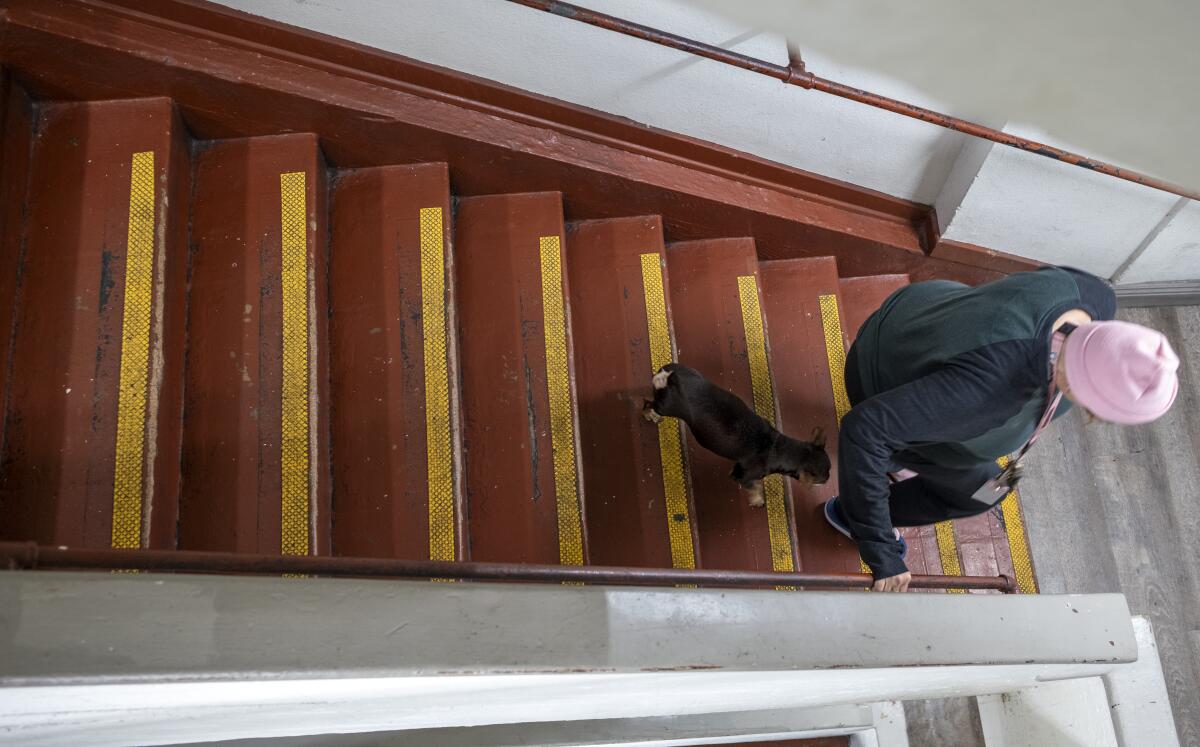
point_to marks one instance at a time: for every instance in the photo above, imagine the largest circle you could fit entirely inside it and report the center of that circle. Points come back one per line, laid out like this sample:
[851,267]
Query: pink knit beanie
[1121,372]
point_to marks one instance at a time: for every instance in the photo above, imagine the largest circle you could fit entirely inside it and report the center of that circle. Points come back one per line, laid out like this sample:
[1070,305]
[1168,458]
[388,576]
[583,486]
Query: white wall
[1174,250]
[574,62]
[1113,77]
[998,198]
[1054,212]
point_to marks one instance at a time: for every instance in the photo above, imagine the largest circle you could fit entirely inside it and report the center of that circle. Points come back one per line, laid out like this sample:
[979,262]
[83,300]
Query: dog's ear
[818,437]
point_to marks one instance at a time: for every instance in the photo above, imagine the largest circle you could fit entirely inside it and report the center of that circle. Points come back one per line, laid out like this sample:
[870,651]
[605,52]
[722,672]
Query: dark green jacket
[957,375]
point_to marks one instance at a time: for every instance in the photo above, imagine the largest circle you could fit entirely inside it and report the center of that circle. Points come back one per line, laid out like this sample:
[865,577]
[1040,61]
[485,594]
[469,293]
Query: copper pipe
[796,75]
[29,556]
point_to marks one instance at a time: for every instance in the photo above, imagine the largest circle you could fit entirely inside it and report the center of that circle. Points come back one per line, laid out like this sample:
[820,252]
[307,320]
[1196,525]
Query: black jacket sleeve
[969,395]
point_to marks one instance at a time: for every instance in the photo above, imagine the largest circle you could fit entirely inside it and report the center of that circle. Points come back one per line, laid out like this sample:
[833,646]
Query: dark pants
[937,493]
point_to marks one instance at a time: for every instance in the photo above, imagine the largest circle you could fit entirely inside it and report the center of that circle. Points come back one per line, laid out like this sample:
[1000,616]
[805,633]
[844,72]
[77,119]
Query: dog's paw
[649,414]
[659,380]
[755,496]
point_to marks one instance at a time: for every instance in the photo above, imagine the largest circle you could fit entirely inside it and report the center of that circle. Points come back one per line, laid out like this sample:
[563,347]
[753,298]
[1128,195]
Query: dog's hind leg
[756,497]
[750,480]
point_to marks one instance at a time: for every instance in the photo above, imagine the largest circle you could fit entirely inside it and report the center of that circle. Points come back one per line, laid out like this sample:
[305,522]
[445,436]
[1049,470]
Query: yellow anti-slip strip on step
[670,434]
[764,405]
[948,552]
[562,413]
[130,467]
[1018,543]
[294,430]
[440,452]
[835,354]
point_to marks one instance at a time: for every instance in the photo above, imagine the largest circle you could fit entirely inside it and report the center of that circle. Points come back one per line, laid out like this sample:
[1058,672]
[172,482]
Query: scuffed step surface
[395,451]
[93,422]
[523,489]
[710,326]
[255,460]
[639,510]
[802,303]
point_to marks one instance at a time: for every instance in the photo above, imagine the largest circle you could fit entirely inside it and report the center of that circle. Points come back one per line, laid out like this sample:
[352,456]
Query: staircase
[236,345]
[266,293]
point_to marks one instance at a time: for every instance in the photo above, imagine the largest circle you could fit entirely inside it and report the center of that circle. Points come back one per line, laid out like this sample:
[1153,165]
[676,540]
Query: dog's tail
[661,378]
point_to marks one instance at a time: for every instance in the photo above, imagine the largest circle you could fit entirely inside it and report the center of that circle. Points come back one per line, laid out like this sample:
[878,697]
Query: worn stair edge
[256,427]
[16,144]
[523,484]
[639,507]
[91,456]
[397,445]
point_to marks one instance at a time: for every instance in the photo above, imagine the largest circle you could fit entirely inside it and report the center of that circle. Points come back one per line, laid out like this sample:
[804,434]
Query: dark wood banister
[30,556]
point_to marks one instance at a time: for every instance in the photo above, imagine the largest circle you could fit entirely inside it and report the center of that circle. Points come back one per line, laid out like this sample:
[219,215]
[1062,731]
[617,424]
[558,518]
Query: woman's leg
[938,493]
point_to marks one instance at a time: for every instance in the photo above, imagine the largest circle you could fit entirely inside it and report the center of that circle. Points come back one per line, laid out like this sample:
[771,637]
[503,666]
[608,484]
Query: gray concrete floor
[950,722]
[1114,508]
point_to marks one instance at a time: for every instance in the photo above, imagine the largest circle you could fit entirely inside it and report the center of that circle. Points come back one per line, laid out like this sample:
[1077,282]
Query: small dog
[723,424]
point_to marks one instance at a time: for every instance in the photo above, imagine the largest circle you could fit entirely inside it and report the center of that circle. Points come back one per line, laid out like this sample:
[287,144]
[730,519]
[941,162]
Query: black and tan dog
[726,426]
